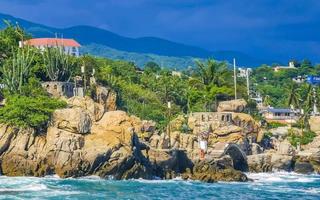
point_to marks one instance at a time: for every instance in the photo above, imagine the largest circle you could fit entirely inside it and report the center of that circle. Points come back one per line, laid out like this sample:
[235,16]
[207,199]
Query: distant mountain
[104,43]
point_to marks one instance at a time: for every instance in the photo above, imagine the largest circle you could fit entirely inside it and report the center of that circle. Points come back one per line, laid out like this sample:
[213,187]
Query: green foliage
[58,64]
[26,111]
[303,139]
[15,71]
[275,125]
[9,40]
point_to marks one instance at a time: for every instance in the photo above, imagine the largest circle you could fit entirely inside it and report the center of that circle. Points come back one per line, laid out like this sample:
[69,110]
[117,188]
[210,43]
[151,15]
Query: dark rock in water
[268,162]
[303,168]
[212,172]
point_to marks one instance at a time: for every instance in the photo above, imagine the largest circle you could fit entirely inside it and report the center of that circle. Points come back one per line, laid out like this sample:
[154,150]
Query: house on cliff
[281,115]
[69,46]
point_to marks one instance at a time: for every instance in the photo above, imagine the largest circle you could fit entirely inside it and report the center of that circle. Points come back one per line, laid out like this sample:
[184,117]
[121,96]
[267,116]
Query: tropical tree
[293,97]
[15,71]
[212,72]
[58,64]
[267,100]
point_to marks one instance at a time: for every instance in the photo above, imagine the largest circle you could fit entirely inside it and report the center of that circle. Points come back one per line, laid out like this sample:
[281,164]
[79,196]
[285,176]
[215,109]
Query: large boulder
[75,120]
[107,98]
[268,162]
[285,148]
[95,110]
[246,122]
[237,105]
[314,123]
[213,171]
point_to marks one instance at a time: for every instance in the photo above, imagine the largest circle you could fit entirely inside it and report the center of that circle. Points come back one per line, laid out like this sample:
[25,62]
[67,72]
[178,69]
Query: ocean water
[264,186]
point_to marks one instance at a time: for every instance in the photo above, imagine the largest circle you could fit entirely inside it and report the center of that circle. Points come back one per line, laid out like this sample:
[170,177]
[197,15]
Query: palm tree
[267,100]
[293,98]
[212,72]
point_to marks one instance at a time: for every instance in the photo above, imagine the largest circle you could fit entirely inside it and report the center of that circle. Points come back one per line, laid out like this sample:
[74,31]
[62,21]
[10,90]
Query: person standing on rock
[203,143]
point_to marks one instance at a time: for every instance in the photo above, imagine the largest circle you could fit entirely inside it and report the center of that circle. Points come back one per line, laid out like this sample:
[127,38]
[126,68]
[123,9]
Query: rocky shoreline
[92,138]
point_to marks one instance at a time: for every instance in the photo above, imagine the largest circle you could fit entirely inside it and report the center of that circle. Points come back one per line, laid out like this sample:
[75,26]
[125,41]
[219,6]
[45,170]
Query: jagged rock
[107,98]
[303,168]
[148,126]
[268,162]
[314,123]
[285,148]
[256,149]
[237,105]
[94,109]
[75,120]
[110,149]
[211,171]
[246,122]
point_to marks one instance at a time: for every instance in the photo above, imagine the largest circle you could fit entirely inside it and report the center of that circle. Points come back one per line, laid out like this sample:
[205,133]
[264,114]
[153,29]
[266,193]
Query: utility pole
[83,71]
[235,78]
[169,125]
[248,82]
[315,110]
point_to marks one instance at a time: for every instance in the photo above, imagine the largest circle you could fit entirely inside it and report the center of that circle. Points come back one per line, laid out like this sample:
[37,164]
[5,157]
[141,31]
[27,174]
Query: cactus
[58,64]
[16,71]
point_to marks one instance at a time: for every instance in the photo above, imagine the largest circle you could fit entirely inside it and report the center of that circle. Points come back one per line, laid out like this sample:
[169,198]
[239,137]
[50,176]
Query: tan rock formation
[110,149]
[314,123]
[75,120]
[94,109]
[107,98]
[237,105]
[268,162]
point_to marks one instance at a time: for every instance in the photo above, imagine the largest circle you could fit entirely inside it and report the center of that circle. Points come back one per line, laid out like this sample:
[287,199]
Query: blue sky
[282,29]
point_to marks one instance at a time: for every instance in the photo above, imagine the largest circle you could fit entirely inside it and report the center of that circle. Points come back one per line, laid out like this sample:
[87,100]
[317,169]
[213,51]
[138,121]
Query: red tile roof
[52,42]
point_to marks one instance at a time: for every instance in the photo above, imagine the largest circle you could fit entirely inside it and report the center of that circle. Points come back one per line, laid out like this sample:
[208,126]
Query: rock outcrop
[74,146]
[213,171]
[314,123]
[268,162]
[237,105]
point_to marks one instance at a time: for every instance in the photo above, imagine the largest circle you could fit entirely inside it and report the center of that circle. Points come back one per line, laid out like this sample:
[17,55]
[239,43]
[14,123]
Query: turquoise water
[265,186]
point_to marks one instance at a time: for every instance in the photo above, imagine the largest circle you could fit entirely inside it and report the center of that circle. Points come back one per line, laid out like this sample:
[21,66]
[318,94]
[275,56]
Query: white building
[70,46]
[243,72]
[278,68]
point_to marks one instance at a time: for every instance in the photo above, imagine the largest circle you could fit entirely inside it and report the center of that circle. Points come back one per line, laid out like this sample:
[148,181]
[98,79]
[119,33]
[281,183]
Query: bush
[34,112]
[275,125]
[303,139]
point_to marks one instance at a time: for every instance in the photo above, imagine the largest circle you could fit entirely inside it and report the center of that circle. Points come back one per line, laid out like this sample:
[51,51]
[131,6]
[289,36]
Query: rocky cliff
[88,139]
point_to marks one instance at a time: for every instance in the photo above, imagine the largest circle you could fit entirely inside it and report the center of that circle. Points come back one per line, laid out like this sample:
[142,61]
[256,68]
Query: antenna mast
[235,78]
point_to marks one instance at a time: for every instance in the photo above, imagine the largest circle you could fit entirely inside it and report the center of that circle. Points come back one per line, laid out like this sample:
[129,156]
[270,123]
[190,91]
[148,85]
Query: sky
[281,29]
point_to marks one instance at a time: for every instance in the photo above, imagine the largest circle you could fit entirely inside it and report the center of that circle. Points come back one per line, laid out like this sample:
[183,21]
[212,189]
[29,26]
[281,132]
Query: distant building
[69,46]
[62,89]
[299,79]
[176,73]
[243,72]
[278,68]
[281,115]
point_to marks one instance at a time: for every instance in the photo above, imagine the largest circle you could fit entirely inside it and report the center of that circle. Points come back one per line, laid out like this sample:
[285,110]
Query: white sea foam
[27,188]
[283,177]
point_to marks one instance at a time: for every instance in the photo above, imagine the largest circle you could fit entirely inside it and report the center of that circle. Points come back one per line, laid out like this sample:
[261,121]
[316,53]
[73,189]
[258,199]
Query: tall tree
[16,70]
[58,64]
[293,97]
[212,72]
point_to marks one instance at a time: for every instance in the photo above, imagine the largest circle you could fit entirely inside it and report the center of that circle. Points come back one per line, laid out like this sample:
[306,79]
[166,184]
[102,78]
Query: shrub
[303,139]
[24,111]
[275,125]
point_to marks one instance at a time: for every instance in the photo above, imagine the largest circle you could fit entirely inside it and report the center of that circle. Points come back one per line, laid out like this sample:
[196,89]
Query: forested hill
[149,48]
